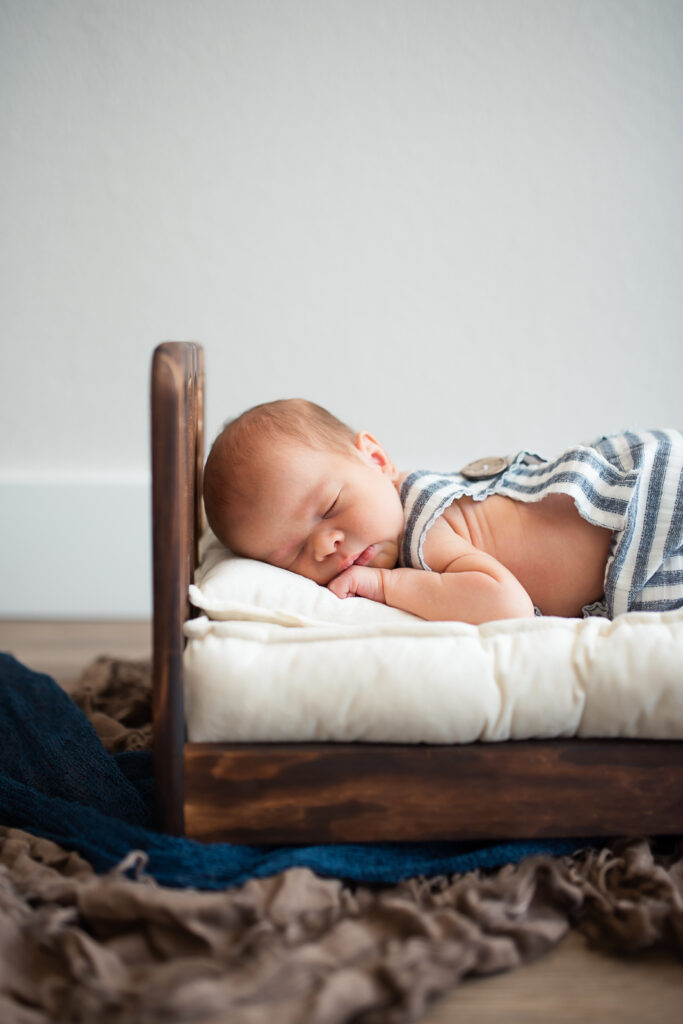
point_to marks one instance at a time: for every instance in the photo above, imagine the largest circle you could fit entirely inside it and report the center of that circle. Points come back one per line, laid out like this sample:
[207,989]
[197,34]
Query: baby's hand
[359,581]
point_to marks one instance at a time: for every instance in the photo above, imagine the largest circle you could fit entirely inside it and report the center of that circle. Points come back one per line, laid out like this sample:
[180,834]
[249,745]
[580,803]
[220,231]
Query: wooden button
[484,469]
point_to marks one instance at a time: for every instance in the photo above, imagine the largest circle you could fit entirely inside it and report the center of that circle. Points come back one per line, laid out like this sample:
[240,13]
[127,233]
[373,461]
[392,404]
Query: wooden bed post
[177,389]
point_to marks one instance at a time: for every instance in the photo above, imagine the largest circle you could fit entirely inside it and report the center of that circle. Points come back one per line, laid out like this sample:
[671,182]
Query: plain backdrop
[456,223]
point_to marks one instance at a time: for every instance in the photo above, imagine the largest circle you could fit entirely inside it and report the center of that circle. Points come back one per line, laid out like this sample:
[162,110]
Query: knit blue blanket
[58,781]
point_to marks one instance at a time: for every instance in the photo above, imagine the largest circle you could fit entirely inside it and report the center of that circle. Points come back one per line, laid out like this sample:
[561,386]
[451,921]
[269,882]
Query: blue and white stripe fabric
[630,483]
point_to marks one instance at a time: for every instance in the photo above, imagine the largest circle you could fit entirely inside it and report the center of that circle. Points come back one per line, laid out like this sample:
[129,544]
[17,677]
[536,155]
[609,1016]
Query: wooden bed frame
[359,792]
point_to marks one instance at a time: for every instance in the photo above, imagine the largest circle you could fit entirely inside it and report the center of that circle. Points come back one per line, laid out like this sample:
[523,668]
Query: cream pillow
[228,587]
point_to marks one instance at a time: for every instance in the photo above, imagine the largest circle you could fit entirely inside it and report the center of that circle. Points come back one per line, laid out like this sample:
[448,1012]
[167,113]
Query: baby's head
[290,484]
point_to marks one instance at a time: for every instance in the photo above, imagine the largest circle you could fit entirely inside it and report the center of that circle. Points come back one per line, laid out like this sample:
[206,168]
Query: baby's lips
[363,558]
[366,556]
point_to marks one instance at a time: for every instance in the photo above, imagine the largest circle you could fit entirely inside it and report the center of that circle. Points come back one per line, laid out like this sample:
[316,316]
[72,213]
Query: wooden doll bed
[359,792]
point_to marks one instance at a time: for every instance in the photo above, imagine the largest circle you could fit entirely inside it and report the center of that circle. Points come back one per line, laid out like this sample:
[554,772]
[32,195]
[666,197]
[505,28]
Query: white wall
[458,224]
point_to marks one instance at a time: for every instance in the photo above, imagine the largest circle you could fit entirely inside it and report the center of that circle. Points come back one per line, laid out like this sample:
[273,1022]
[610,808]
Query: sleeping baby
[596,531]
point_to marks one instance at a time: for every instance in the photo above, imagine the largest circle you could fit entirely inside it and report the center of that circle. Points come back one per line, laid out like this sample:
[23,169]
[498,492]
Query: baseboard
[75,546]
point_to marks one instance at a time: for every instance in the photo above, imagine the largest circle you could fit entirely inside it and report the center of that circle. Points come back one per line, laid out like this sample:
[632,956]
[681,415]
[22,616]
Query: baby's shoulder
[447,538]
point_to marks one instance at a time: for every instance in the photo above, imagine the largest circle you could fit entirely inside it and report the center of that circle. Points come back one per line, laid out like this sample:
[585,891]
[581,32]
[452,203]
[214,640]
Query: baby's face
[318,512]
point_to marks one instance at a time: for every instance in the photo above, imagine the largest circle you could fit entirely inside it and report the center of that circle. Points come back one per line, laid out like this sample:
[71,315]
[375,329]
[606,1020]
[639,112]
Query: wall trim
[76,546]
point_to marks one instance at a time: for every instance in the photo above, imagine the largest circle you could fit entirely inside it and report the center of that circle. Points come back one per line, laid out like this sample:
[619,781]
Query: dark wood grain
[176,390]
[306,793]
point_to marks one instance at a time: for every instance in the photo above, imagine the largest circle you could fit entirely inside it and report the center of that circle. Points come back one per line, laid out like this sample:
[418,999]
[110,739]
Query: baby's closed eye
[332,507]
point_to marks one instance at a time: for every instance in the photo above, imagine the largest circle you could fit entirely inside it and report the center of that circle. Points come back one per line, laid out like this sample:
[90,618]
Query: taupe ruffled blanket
[75,946]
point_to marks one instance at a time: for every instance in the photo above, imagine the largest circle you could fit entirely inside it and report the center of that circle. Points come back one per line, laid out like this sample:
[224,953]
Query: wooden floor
[571,984]
[63,649]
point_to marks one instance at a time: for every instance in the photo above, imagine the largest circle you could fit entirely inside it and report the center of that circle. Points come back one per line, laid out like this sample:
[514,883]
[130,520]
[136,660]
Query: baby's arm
[467,585]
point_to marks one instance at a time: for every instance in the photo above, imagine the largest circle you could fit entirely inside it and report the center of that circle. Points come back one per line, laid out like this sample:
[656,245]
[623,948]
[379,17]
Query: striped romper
[631,483]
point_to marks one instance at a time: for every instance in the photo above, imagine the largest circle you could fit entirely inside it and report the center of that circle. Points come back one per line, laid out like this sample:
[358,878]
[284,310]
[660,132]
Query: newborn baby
[598,530]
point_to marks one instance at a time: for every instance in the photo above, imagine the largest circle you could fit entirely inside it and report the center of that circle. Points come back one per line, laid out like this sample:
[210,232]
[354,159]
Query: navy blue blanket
[57,781]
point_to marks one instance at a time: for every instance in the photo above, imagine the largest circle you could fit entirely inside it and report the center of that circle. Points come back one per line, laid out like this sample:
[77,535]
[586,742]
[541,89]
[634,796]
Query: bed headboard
[177,412]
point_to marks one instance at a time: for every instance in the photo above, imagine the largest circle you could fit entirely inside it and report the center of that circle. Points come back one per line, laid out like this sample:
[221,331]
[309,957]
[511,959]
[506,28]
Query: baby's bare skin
[557,556]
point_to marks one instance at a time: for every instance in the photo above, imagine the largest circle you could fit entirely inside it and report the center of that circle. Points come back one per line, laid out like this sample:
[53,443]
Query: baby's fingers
[343,584]
[358,581]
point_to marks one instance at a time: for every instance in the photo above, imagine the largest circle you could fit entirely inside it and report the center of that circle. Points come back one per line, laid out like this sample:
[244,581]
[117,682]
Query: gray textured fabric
[75,946]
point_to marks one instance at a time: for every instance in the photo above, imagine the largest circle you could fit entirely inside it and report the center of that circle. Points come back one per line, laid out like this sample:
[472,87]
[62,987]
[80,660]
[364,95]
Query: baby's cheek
[302,568]
[387,558]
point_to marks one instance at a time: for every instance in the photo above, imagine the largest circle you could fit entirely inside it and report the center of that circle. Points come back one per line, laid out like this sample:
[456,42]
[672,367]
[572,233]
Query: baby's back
[557,556]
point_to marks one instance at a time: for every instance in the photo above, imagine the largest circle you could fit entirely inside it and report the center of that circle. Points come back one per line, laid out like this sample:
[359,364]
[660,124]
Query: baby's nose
[326,543]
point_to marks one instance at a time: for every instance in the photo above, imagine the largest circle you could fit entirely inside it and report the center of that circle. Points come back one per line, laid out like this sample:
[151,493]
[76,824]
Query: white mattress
[274,657]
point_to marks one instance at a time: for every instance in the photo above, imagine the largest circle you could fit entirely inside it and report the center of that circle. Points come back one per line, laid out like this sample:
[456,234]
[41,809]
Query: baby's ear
[368,446]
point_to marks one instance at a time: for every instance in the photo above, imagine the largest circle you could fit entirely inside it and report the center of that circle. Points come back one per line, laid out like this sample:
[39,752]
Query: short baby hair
[241,440]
